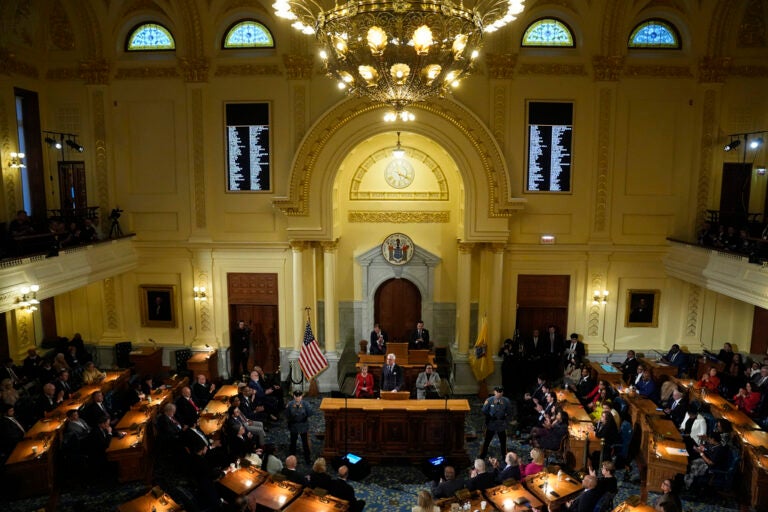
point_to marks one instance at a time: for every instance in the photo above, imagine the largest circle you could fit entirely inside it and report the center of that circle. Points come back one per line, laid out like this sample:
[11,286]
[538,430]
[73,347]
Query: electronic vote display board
[550,140]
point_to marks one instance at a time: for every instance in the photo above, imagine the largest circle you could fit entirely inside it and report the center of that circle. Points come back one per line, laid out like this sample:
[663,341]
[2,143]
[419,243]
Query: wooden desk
[503,497]
[150,502]
[243,480]
[566,395]
[29,468]
[626,507]
[475,498]
[665,460]
[755,476]
[552,491]
[608,373]
[640,406]
[226,392]
[130,453]
[410,371]
[660,368]
[216,407]
[576,412]
[115,379]
[132,419]
[147,360]
[395,430]
[210,425]
[274,495]
[44,427]
[581,442]
[204,363]
[310,502]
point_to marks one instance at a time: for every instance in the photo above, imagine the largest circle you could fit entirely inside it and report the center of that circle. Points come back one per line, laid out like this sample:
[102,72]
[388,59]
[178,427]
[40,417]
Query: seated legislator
[428,384]
[379,340]
[550,436]
[448,485]
[480,478]
[676,357]
[92,375]
[391,375]
[677,407]
[629,367]
[746,399]
[202,391]
[363,383]
[511,469]
[647,386]
[709,381]
[187,411]
[419,337]
[11,431]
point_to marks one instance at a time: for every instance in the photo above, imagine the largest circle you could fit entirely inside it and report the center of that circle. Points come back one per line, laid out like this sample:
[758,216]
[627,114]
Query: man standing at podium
[419,337]
[391,375]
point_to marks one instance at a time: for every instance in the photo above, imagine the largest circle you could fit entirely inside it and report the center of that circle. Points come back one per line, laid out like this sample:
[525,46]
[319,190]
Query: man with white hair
[480,478]
[391,375]
[587,500]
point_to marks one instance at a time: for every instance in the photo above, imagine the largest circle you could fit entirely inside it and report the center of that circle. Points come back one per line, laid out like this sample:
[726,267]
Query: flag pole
[313,390]
[482,386]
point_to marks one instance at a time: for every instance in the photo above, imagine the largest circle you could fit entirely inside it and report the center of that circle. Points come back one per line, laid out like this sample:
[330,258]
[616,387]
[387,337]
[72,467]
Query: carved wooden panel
[543,291]
[243,288]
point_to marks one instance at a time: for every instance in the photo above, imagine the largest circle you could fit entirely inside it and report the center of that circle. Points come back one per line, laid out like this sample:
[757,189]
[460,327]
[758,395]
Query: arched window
[548,32]
[248,34]
[654,34]
[150,37]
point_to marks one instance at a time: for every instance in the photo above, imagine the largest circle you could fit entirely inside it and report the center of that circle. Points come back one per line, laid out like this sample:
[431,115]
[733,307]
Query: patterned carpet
[387,488]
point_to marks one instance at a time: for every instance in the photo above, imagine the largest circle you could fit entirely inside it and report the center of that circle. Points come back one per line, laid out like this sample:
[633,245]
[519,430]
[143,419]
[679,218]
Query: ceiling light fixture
[53,143]
[395,52]
[398,152]
[17,160]
[75,146]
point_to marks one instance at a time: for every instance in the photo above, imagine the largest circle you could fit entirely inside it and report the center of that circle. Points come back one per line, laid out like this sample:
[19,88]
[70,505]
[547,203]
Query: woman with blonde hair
[425,503]
[535,466]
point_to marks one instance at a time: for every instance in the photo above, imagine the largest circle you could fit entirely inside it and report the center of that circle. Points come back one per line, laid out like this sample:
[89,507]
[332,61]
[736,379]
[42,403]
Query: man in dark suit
[13,372]
[240,343]
[677,357]
[480,478]
[48,401]
[31,364]
[551,343]
[379,340]
[291,473]
[63,386]
[585,385]
[168,429]
[419,337]
[187,411]
[574,352]
[75,428]
[760,380]
[391,375]
[677,407]
[342,490]
[629,367]
[96,409]
[96,447]
[448,485]
[11,431]
[586,501]
[202,391]
[511,469]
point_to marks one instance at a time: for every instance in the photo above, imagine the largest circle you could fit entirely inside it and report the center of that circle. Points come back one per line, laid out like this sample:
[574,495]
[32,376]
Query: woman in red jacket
[709,381]
[364,383]
[746,399]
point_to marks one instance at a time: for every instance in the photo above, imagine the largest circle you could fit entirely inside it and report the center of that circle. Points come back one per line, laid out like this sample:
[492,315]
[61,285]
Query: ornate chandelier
[399,51]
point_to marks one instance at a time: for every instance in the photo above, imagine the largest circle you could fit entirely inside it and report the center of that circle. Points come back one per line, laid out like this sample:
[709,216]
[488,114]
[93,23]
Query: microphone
[153,342]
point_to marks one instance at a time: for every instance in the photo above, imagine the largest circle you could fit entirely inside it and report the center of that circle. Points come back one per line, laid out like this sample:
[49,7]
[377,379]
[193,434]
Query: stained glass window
[248,34]
[654,34]
[548,32]
[149,37]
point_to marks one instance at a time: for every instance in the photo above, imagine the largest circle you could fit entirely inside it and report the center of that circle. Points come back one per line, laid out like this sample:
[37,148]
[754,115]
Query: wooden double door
[253,299]
[397,308]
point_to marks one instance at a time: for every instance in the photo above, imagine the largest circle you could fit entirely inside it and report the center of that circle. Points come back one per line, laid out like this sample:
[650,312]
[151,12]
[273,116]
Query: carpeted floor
[387,488]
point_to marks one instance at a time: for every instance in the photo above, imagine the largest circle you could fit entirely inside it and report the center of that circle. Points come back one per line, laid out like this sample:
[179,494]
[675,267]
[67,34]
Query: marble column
[297,314]
[463,291]
[494,296]
[329,290]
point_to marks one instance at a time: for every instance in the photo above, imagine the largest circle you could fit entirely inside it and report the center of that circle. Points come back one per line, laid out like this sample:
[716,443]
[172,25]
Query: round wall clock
[399,173]
[397,249]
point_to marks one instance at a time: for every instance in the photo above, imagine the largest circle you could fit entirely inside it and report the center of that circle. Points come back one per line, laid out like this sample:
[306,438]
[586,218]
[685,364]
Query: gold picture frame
[157,304]
[642,308]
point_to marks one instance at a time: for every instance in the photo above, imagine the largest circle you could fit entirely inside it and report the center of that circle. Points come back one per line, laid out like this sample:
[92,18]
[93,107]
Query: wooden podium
[395,429]
[205,363]
[147,360]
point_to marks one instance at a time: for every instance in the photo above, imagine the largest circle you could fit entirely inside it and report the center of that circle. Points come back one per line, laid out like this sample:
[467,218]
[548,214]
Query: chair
[182,356]
[123,354]
[605,503]
[722,479]
[559,456]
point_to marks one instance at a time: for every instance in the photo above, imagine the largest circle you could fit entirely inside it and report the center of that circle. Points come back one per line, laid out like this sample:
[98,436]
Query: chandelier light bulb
[756,143]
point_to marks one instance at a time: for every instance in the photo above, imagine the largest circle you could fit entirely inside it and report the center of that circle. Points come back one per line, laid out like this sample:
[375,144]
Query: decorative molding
[714,69]
[204,305]
[195,70]
[497,247]
[101,168]
[501,65]
[10,65]
[607,68]
[198,156]
[540,68]
[110,304]
[9,174]
[93,72]
[413,154]
[60,28]
[300,245]
[248,70]
[593,321]
[709,134]
[749,71]
[24,328]
[330,246]
[692,317]
[399,217]
[146,72]
[485,153]
[751,31]
[466,247]
[603,159]
[657,71]
[298,67]
[500,114]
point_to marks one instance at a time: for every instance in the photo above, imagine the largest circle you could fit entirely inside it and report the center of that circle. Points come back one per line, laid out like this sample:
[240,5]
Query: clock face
[399,173]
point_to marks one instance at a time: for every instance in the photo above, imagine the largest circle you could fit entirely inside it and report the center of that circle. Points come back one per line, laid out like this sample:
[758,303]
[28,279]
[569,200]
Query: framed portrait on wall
[156,302]
[642,308]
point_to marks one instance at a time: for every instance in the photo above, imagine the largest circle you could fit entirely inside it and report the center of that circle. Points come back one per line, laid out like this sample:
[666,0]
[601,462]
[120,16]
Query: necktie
[673,357]
[193,405]
[674,405]
[16,422]
[762,381]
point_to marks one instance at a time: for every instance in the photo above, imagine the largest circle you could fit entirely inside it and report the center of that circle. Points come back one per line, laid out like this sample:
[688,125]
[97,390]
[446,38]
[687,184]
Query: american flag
[311,359]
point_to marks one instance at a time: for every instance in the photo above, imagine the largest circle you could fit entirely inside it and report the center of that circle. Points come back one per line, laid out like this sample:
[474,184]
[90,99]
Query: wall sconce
[17,161]
[547,239]
[199,293]
[599,297]
[28,300]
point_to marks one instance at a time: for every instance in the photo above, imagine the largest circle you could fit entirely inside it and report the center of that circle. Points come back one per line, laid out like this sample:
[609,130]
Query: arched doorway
[397,308]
